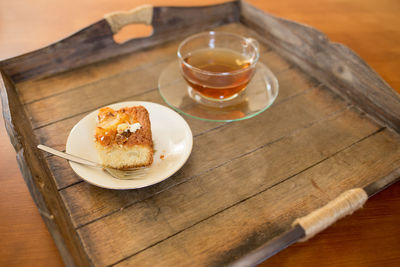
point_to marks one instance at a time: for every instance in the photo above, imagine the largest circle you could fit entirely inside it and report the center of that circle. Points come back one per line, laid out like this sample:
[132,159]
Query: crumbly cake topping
[126,126]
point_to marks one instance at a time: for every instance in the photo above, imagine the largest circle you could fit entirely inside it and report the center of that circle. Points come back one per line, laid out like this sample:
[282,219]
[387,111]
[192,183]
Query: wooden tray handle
[139,15]
[320,219]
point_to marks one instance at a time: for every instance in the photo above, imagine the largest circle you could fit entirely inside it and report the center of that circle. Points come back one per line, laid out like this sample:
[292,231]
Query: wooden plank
[267,127]
[34,90]
[333,64]
[186,204]
[219,239]
[95,95]
[96,43]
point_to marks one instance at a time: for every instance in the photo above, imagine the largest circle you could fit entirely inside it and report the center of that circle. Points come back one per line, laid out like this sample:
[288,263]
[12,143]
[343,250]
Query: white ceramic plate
[172,139]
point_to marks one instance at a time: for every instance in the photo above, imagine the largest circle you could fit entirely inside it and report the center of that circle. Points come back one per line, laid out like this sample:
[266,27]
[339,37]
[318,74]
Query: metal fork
[130,174]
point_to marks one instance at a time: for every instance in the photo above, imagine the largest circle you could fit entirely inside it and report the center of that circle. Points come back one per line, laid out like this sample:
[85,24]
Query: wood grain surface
[370,237]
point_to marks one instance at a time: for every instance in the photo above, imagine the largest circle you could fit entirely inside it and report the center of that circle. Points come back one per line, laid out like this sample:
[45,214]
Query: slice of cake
[123,137]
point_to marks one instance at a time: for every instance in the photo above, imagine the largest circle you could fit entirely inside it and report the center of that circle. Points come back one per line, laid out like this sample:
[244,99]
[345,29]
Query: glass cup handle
[252,41]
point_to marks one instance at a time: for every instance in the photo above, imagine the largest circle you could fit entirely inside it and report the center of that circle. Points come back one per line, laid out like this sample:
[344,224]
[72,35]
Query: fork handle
[68,156]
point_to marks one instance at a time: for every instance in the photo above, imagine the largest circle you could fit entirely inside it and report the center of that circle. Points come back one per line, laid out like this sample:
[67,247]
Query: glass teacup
[218,65]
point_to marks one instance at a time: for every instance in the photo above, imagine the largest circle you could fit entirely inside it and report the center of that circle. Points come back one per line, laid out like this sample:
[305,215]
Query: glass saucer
[260,93]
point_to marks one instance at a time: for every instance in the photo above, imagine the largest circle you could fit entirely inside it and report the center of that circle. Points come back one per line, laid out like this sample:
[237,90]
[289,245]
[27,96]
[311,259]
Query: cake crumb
[161,156]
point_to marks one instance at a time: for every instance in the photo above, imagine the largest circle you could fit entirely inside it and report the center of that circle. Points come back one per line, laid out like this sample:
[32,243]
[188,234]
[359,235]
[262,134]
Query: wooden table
[370,237]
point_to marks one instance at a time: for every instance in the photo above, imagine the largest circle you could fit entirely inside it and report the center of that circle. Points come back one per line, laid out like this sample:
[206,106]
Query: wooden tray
[335,126]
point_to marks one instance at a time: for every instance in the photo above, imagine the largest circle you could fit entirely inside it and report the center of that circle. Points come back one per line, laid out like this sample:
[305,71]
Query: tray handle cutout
[127,25]
[139,15]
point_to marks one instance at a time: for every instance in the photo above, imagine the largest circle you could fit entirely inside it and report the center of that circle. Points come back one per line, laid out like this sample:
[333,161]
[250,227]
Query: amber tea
[231,71]
[217,66]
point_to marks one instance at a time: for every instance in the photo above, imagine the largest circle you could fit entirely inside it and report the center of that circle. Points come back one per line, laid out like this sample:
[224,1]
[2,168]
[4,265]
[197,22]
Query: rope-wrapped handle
[140,15]
[320,219]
